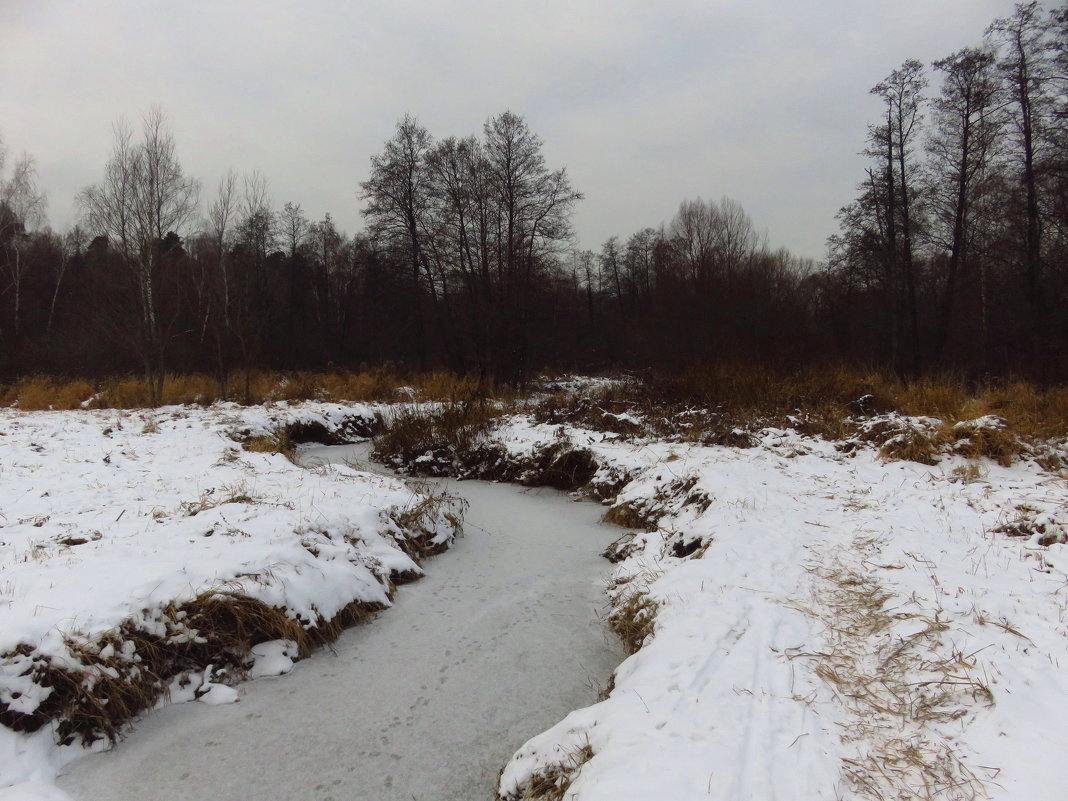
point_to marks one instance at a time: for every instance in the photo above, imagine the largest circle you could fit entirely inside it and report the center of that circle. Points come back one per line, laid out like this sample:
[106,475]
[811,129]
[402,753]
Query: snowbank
[143,553]
[819,624]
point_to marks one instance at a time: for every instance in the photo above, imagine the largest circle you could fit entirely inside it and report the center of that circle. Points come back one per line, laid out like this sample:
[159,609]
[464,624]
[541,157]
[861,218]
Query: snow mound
[272,658]
[137,547]
[819,622]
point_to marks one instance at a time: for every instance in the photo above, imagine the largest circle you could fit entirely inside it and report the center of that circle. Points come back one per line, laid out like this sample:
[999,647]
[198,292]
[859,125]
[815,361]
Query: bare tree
[144,197]
[894,143]
[218,279]
[256,236]
[611,257]
[533,221]
[1023,64]
[961,148]
[72,247]
[397,204]
[294,228]
[639,264]
[693,232]
[22,211]
[222,216]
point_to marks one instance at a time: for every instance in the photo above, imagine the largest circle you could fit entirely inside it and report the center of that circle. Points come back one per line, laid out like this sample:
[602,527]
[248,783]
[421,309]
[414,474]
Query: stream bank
[500,640]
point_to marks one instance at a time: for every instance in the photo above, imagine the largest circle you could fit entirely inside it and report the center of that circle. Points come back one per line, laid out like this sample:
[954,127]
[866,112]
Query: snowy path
[498,642]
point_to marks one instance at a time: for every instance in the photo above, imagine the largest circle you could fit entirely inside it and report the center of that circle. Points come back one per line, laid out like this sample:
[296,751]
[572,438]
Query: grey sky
[646,103]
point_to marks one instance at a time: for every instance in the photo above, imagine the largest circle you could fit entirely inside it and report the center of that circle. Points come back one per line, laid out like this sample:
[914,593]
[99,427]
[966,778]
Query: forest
[951,258]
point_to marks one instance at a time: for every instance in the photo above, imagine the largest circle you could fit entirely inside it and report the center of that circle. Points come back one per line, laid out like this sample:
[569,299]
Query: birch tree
[144,196]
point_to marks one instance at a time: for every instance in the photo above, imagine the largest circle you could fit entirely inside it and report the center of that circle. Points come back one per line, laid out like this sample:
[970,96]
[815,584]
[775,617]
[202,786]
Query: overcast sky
[646,103]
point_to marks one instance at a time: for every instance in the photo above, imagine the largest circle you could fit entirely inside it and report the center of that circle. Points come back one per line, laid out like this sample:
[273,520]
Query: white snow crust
[828,624]
[845,628]
[498,641]
[108,517]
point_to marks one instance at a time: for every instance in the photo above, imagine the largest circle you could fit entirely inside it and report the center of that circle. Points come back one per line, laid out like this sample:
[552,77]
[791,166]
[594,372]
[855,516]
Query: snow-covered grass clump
[149,555]
[818,619]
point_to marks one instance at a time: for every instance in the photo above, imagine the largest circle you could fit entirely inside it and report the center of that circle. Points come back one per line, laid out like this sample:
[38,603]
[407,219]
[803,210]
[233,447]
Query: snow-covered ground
[813,622]
[825,625]
[112,522]
[499,640]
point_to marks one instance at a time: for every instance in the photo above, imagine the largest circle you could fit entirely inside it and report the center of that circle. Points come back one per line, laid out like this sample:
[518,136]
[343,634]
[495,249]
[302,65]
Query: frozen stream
[499,641]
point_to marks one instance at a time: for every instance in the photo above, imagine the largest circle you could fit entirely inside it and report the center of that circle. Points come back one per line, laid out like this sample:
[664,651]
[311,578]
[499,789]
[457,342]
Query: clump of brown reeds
[1045,528]
[724,405]
[420,519]
[553,782]
[988,437]
[633,514]
[633,616]
[620,548]
[912,443]
[276,442]
[433,441]
[384,383]
[36,393]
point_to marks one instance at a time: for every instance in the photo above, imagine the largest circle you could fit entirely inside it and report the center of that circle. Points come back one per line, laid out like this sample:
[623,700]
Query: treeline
[459,267]
[954,255]
[955,252]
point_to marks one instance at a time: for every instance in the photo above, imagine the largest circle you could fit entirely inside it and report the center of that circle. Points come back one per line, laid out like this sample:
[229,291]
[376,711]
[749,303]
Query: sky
[645,103]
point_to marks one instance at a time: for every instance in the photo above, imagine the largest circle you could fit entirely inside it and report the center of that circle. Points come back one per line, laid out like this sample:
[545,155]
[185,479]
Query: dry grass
[455,439]
[434,441]
[912,444]
[633,617]
[1029,410]
[722,405]
[894,688]
[131,392]
[736,392]
[127,671]
[993,441]
[37,393]
[277,442]
[235,493]
[633,514]
[552,783]
[620,548]
[926,440]
[418,522]
[1029,522]
[969,473]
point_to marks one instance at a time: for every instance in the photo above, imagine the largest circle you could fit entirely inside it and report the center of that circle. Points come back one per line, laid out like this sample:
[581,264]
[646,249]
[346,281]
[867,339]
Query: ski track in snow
[498,641]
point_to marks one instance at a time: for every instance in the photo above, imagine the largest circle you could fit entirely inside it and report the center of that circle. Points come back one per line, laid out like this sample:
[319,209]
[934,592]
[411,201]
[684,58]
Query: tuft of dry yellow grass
[384,384]
[553,783]
[36,393]
[820,397]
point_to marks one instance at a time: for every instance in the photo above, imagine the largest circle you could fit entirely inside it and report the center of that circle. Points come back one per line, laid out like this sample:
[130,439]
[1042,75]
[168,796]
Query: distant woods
[952,256]
[955,251]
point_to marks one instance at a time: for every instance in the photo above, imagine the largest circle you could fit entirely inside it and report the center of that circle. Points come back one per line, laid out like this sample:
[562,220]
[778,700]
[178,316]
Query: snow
[272,658]
[216,694]
[111,517]
[828,624]
[499,640]
[848,628]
